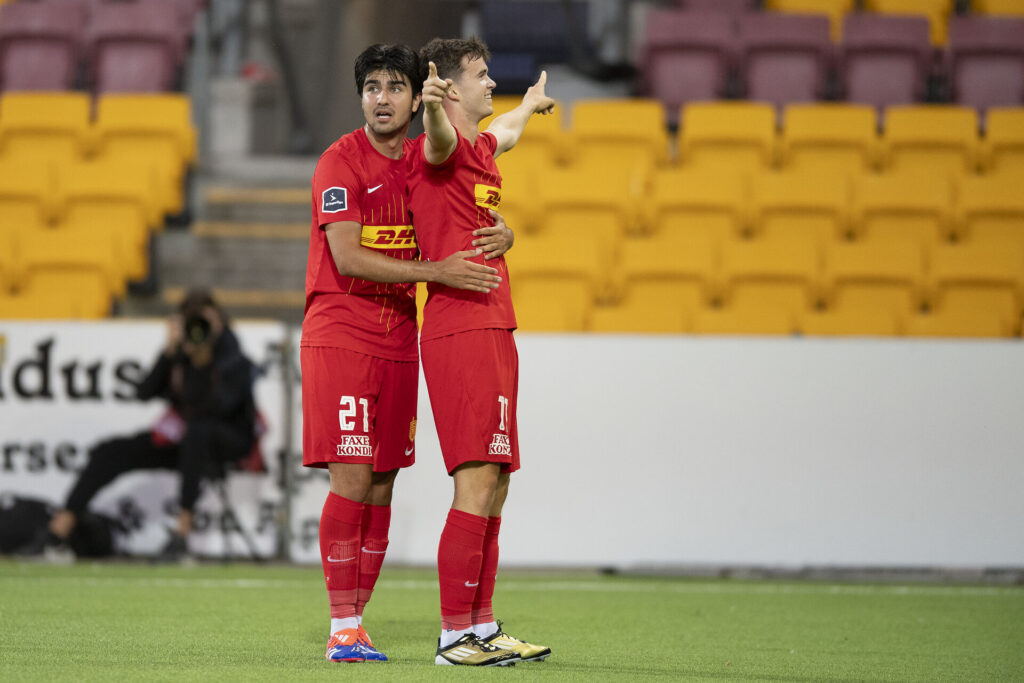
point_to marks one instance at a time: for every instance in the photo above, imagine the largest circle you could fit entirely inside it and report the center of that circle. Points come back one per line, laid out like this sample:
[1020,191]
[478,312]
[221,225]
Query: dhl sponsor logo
[388,237]
[487,196]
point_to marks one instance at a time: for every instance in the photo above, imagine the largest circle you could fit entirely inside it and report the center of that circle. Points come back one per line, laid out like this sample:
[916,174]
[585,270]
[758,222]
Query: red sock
[459,556]
[376,521]
[339,552]
[483,612]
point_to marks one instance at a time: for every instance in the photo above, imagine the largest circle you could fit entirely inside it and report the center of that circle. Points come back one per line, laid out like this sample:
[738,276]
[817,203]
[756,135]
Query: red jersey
[448,202]
[355,182]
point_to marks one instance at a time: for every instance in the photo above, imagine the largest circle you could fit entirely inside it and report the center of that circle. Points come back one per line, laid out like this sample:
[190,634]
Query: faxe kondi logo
[355,446]
[499,445]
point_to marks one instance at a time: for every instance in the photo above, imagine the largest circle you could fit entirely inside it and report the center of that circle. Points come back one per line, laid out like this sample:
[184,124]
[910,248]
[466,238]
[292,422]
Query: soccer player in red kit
[359,355]
[468,353]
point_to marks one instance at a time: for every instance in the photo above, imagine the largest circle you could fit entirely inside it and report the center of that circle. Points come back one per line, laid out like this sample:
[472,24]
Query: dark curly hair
[397,60]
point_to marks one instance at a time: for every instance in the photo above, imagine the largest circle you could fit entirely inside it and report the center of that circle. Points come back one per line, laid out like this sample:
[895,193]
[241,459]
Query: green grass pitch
[112,621]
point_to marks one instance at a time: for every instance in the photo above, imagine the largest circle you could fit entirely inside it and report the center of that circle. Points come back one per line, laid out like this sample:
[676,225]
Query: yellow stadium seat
[149,129]
[1003,147]
[70,264]
[744,320]
[521,170]
[712,203]
[931,140]
[937,12]
[812,207]
[631,131]
[884,277]
[40,305]
[770,273]
[736,136]
[660,282]
[990,210]
[829,137]
[850,321]
[44,128]
[1008,7]
[587,204]
[902,205]
[835,9]
[957,322]
[26,196]
[544,132]
[978,277]
[97,198]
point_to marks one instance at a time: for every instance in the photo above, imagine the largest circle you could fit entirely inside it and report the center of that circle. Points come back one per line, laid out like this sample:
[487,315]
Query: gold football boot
[526,651]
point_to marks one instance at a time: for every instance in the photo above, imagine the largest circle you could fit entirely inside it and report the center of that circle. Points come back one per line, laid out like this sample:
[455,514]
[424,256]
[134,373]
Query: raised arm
[353,260]
[509,126]
[441,135]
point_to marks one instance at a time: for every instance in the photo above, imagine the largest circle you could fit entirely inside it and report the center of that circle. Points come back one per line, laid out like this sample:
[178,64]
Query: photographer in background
[210,420]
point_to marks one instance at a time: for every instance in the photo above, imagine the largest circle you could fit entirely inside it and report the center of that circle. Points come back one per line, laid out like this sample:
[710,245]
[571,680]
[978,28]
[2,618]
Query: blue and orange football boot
[371,653]
[344,646]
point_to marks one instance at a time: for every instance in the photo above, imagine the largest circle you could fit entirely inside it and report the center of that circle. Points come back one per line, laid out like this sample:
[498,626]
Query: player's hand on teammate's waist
[435,89]
[459,272]
[496,239]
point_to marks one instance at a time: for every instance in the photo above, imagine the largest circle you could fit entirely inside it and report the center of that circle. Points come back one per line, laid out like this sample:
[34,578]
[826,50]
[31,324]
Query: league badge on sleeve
[335,199]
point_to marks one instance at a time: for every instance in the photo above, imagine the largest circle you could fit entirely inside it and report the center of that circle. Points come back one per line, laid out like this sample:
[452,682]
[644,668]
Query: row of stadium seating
[881,60]
[628,135]
[81,197]
[137,46]
[680,282]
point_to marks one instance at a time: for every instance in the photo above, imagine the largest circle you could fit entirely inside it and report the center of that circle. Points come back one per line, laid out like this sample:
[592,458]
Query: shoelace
[477,642]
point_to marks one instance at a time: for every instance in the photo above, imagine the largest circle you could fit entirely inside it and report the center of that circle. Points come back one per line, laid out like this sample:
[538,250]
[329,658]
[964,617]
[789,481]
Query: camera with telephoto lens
[197,328]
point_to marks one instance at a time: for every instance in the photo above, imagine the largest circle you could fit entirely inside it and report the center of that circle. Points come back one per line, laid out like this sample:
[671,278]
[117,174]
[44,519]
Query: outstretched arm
[441,135]
[509,126]
[353,260]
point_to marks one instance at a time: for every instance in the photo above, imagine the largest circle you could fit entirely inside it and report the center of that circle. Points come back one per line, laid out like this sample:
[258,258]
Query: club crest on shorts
[334,199]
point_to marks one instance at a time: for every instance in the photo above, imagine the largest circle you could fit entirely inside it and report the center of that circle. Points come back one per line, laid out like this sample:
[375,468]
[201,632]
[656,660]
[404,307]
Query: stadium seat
[884,60]
[811,207]
[104,198]
[779,273]
[72,264]
[624,131]
[849,321]
[980,278]
[957,322]
[829,138]
[901,205]
[544,133]
[1003,146]
[660,283]
[524,35]
[589,205]
[521,170]
[746,321]
[931,140]
[727,6]
[37,305]
[43,128]
[784,58]
[40,45]
[555,280]
[1014,8]
[734,136]
[135,46]
[985,61]
[883,280]
[990,210]
[835,9]
[154,130]
[711,203]
[27,200]
[937,12]
[686,56]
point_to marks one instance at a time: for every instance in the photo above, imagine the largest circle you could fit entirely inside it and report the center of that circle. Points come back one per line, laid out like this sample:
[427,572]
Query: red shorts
[473,381]
[357,409]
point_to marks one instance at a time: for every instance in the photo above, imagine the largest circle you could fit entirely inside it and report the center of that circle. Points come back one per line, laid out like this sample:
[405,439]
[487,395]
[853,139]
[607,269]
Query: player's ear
[416,102]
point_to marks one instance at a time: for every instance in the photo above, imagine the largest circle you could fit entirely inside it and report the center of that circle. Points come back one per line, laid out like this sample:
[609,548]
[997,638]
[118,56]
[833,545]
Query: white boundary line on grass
[594,586]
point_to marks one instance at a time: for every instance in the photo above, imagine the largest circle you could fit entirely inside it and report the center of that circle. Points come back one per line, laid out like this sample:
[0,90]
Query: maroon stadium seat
[785,58]
[686,56]
[985,61]
[39,45]
[135,47]
[884,60]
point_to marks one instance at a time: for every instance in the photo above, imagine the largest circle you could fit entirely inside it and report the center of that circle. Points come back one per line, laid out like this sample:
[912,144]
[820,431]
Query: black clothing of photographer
[207,382]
